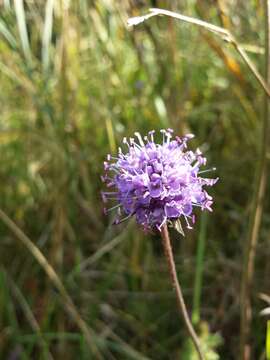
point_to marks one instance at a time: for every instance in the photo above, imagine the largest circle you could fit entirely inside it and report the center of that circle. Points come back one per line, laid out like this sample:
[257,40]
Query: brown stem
[179,296]
[256,211]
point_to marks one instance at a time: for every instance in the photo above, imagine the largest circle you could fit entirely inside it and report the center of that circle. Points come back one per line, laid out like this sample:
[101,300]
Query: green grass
[74,82]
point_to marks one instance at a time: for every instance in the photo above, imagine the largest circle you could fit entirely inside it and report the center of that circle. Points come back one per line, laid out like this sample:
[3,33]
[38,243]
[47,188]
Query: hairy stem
[179,296]
[256,211]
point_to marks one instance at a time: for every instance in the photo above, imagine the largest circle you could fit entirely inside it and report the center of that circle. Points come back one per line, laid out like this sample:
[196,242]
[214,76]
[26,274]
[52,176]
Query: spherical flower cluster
[157,183]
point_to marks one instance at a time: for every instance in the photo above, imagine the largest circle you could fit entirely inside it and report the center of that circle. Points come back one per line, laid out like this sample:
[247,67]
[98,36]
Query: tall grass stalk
[257,207]
[256,211]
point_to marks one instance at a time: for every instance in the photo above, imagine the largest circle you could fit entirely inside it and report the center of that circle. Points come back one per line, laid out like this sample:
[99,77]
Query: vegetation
[74,81]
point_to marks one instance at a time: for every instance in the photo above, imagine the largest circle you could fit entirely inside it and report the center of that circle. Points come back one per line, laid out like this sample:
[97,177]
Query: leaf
[178,227]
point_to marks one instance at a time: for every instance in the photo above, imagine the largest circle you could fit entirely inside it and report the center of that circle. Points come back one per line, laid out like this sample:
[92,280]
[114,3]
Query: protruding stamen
[110,157]
[163,132]
[114,207]
[119,221]
[163,222]
[197,205]
[188,224]
[169,136]
[207,170]
[134,144]
[151,134]
[138,135]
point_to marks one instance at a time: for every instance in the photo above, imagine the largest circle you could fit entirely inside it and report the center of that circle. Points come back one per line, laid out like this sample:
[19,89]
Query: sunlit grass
[74,81]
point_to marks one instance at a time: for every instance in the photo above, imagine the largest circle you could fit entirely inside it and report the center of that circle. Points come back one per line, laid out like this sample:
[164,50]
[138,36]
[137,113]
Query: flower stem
[180,300]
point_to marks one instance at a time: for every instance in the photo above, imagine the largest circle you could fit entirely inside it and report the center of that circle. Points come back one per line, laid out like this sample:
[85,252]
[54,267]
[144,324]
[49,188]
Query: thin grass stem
[55,280]
[28,314]
[220,31]
[256,211]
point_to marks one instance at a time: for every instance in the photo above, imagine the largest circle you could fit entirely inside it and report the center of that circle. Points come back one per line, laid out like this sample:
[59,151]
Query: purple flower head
[157,183]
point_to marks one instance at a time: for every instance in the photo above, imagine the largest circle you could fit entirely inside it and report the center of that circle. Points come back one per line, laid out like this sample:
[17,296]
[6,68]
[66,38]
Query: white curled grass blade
[223,33]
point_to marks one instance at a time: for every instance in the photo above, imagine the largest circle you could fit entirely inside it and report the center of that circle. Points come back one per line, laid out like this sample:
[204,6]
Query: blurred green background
[74,81]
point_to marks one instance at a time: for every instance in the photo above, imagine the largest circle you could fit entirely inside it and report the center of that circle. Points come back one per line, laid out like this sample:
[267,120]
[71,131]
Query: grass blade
[47,34]
[7,34]
[20,15]
[55,280]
